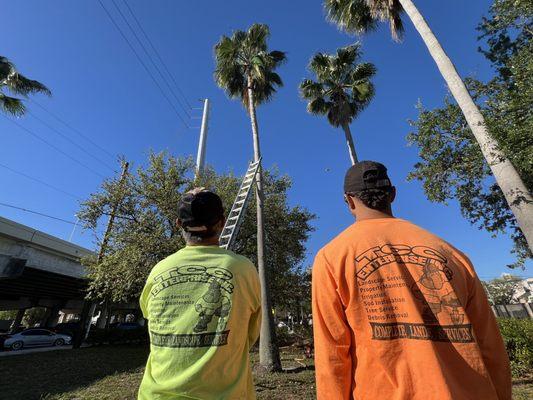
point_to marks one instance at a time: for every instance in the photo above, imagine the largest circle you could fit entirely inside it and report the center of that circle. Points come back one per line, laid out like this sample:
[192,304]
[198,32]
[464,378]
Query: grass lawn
[114,373]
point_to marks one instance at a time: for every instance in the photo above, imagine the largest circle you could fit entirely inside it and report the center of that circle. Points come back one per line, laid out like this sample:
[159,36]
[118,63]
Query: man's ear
[351,203]
[392,194]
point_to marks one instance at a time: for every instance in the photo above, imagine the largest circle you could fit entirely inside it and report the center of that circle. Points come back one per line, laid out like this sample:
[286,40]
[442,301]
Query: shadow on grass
[297,370]
[33,376]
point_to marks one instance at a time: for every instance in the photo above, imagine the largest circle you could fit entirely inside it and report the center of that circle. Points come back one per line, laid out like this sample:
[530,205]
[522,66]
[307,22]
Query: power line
[71,141]
[54,147]
[38,213]
[147,53]
[73,129]
[143,64]
[157,54]
[40,181]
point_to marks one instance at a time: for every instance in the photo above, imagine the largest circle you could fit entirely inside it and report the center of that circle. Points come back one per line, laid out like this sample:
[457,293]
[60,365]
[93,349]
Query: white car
[35,337]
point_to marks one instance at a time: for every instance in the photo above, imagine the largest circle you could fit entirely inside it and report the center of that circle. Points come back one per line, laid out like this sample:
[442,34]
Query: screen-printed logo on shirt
[207,290]
[415,274]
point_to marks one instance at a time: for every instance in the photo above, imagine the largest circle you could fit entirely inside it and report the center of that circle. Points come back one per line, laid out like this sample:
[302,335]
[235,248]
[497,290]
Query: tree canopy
[502,290]
[145,232]
[452,166]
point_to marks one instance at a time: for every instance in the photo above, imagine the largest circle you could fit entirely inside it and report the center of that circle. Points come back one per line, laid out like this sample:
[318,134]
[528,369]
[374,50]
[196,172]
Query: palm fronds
[244,56]
[343,87]
[16,83]
[360,16]
[12,105]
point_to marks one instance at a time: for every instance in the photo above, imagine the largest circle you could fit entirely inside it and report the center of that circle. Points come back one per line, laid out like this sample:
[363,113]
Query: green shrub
[518,337]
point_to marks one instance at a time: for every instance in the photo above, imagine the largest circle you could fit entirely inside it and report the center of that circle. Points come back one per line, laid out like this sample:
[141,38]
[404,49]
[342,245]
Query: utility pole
[125,166]
[89,306]
[200,158]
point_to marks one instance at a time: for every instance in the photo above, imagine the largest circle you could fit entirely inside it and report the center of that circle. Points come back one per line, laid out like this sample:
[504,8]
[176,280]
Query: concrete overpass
[39,270]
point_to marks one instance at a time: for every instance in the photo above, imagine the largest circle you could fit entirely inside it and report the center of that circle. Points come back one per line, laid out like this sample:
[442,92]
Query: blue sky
[101,89]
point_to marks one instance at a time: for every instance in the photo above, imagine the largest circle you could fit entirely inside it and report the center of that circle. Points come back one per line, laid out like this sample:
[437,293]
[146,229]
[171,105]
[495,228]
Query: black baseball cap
[199,210]
[365,175]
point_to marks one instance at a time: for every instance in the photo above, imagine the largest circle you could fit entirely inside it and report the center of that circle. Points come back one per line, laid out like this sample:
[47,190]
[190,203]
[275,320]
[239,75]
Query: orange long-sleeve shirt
[400,314]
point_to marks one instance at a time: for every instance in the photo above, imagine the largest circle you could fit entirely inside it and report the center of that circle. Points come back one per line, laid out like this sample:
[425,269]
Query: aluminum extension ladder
[236,215]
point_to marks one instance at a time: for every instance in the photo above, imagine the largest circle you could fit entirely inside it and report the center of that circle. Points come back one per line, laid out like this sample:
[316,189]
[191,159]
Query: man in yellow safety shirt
[203,309]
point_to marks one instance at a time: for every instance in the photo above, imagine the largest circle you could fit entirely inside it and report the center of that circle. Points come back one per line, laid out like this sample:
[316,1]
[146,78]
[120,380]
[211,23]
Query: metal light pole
[200,158]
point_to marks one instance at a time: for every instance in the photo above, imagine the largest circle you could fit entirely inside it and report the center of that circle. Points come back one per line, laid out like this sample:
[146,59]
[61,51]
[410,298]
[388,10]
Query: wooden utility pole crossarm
[105,240]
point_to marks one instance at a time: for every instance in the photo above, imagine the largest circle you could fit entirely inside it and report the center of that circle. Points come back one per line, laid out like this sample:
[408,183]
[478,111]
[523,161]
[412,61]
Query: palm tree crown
[243,58]
[17,84]
[358,16]
[343,87]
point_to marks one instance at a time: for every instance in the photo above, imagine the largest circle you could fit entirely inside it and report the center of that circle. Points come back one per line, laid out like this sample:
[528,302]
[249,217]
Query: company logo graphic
[207,291]
[422,275]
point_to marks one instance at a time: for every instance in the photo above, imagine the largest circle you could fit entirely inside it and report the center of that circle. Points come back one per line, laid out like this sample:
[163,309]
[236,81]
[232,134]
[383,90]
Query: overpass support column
[18,319]
[52,317]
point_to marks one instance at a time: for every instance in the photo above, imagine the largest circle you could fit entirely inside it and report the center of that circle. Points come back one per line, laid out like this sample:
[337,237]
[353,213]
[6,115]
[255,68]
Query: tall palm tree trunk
[268,348]
[516,194]
[349,142]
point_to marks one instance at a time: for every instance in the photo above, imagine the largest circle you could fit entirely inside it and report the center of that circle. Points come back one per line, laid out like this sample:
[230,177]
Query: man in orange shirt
[398,313]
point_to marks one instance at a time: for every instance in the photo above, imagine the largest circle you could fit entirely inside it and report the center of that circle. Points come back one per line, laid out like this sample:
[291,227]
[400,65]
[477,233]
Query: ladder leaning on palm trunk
[236,215]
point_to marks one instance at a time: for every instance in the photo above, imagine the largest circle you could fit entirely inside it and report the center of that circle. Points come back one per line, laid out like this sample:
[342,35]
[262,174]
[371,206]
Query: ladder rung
[236,210]
[240,201]
[224,237]
[231,226]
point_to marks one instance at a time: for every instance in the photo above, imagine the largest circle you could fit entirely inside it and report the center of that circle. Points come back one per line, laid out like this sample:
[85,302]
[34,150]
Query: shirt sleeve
[332,337]
[254,326]
[143,300]
[489,339]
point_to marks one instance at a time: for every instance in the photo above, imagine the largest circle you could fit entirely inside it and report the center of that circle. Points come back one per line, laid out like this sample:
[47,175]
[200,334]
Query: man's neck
[211,242]
[373,214]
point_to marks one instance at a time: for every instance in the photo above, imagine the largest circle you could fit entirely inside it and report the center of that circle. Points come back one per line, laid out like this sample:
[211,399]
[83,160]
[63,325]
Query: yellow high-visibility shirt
[203,306]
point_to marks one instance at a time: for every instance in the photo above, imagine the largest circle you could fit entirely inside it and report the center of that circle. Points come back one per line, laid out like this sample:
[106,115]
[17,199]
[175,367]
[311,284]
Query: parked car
[35,337]
[3,337]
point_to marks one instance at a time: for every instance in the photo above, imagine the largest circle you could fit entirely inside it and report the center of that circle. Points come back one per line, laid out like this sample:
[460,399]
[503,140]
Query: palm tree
[359,16]
[17,84]
[342,90]
[245,70]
